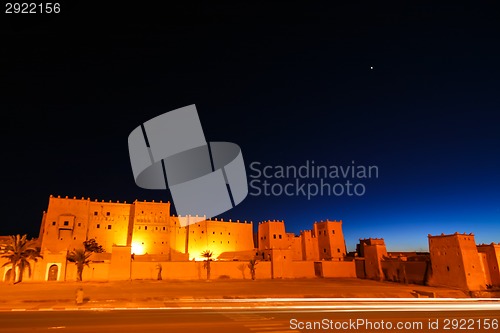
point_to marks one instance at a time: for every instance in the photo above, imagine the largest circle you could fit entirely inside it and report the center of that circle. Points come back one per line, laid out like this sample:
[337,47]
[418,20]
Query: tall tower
[455,262]
[272,235]
[331,244]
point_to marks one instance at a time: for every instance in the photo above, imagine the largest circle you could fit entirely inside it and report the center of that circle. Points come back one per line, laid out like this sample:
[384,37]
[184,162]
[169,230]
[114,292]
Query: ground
[153,293]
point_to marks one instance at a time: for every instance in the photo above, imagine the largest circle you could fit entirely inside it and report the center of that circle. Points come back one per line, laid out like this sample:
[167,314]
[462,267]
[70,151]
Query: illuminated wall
[310,250]
[374,250]
[492,261]
[330,238]
[218,237]
[152,229]
[272,235]
[67,223]
[455,262]
[295,245]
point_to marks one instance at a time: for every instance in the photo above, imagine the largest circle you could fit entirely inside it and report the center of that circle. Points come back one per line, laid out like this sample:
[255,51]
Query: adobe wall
[413,272]
[93,272]
[492,262]
[281,264]
[152,228]
[360,268]
[272,235]
[303,269]
[455,262]
[309,245]
[219,237]
[330,240]
[294,244]
[195,270]
[69,222]
[120,265]
[231,270]
[340,269]
[374,252]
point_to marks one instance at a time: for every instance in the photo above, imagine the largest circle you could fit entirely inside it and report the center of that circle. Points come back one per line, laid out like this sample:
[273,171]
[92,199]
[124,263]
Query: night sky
[410,87]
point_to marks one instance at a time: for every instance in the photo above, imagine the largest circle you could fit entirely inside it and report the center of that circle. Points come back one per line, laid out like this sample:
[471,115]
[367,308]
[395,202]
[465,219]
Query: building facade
[146,234]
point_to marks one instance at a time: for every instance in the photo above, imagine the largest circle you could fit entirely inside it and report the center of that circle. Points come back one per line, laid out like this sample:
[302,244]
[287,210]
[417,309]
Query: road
[267,315]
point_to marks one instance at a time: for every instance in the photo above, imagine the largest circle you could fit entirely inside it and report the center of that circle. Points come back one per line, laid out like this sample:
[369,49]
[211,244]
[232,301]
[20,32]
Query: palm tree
[81,259]
[252,265]
[19,252]
[208,255]
[24,262]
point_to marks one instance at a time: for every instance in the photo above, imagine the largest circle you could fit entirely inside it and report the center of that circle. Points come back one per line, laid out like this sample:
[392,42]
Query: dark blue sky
[289,82]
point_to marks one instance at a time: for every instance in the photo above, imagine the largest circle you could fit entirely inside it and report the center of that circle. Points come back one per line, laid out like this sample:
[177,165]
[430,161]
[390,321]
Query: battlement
[372,241]
[490,244]
[269,221]
[456,234]
[103,201]
[203,218]
[328,220]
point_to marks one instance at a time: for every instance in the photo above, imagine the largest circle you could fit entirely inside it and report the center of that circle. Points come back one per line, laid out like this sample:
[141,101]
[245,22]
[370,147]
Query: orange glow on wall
[137,248]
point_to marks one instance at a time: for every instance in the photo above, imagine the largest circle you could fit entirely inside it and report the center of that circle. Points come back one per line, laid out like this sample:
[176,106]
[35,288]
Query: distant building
[490,259]
[452,261]
[456,262]
[372,250]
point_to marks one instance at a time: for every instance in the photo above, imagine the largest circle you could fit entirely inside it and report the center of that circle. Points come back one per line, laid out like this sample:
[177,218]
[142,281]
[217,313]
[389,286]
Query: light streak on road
[317,304]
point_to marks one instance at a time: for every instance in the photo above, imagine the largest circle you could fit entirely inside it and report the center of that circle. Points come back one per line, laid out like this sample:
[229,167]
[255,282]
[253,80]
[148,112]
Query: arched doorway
[53,270]
[8,275]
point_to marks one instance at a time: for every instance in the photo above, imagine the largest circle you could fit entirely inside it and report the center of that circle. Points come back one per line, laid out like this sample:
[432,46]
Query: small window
[98,226]
[95,213]
[66,223]
[202,232]
[324,250]
[109,226]
[280,236]
[213,233]
[333,232]
[54,223]
[145,227]
[163,228]
[156,228]
[108,213]
[274,236]
[338,250]
[229,233]
[79,224]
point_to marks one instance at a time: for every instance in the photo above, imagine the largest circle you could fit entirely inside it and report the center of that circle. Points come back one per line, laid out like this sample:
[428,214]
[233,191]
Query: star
[371,67]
